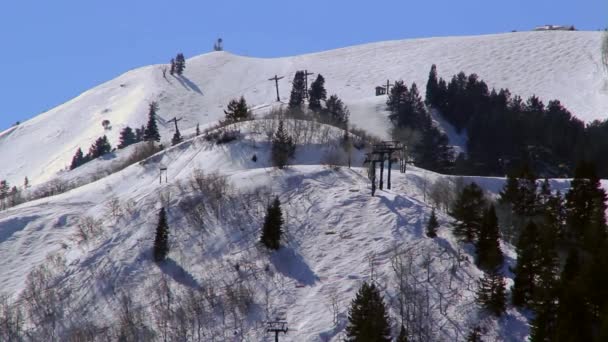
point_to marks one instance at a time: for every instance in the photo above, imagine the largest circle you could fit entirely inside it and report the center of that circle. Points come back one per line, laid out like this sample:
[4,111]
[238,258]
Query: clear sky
[51,51]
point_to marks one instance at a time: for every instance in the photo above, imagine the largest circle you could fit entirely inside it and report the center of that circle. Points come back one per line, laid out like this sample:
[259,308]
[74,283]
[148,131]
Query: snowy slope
[562,65]
[337,236]
[333,230]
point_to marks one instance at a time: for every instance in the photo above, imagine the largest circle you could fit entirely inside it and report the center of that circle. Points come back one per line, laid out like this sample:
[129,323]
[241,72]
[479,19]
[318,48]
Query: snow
[334,228]
[553,65]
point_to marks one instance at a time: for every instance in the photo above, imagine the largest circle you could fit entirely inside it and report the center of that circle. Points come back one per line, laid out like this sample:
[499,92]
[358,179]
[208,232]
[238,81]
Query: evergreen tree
[172,68]
[161,242]
[510,191]
[139,133]
[4,189]
[526,204]
[316,94]
[574,321]
[100,147]
[433,152]
[78,159]
[198,130]
[297,91]
[273,222]
[491,294]
[283,148]
[237,110]
[367,317]
[432,87]
[432,225]
[475,334]
[585,209]
[402,334]
[180,63]
[177,137]
[26,182]
[127,137]
[489,255]
[527,267]
[468,211]
[151,132]
[336,112]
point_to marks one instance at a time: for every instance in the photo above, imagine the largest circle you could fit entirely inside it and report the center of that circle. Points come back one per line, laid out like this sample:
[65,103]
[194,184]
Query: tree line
[562,251]
[506,132]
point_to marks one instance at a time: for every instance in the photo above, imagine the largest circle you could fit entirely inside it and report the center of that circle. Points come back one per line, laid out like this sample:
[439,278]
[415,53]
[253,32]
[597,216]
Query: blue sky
[54,50]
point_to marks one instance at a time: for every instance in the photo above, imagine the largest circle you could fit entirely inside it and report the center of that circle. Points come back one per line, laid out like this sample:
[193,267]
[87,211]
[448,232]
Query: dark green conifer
[273,223]
[432,86]
[489,254]
[161,242]
[127,137]
[237,110]
[367,317]
[283,147]
[468,211]
[527,268]
[151,132]
[297,91]
[491,294]
[180,63]
[432,225]
[317,93]
[78,159]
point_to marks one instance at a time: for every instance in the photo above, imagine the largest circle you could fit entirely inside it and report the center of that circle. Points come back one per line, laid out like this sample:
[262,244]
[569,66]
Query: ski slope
[333,230]
[553,65]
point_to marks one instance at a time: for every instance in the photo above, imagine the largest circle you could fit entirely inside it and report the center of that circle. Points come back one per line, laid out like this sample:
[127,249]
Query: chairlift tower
[391,151]
[277,327]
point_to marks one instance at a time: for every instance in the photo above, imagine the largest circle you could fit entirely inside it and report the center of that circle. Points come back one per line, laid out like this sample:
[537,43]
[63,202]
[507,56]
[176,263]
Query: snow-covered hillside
[337,236]
[562,65]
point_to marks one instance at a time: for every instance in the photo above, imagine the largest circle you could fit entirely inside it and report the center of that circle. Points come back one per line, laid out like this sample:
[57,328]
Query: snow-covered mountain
[90,247]
[553,65]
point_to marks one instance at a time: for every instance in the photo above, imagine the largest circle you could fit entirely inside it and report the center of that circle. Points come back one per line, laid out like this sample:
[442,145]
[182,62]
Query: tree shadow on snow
[178,273]
[292,265]
[186,83]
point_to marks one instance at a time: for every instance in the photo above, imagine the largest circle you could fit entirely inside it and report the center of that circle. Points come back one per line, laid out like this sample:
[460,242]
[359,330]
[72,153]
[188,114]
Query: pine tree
[151,132]
[367,317]
[237,110]
[585,209]
[78,159]
[316,94]
[527,267]
[297,91]
[177,137]
[402,334]
[510,191]
[180,63]
[468,211]
[4,189]
[526,204]
[574,321]
[475,334]
[127,137]
[432,225]
[139,133]
[489,255]
[336,112]
[198,130]
[172,68]
[26,182]
[491,294]
[432,87]
[100,147]
[271,231]
[161,242]
[283,147]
